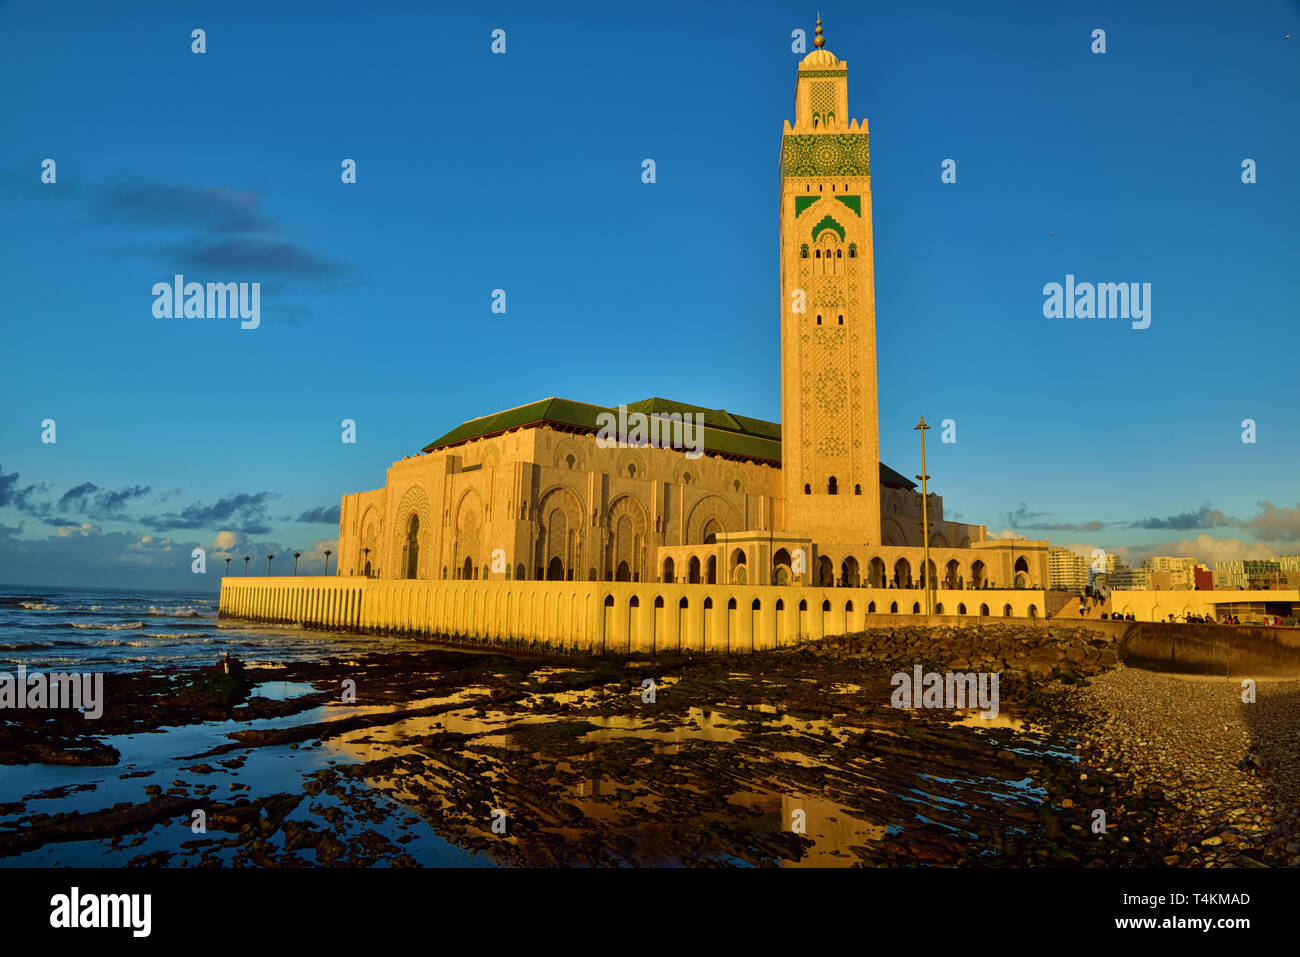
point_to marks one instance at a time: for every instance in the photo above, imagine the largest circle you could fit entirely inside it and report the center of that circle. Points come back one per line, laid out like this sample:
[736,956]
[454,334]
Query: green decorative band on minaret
[825,224]
[822,73]
[825,154]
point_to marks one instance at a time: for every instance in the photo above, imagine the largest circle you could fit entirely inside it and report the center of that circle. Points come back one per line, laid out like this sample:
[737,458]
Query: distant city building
[1066,570]
[1124,577]
[1204,578]
[1239,573]
[1171,573]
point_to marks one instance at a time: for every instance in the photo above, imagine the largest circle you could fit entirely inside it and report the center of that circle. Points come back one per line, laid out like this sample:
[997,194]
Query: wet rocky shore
[447,756]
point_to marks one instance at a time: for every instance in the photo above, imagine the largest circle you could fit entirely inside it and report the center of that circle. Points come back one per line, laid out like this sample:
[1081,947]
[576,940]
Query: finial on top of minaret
[818,40]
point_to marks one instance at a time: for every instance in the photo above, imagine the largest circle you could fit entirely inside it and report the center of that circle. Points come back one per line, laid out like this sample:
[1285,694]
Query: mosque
[537,493]
[572,527]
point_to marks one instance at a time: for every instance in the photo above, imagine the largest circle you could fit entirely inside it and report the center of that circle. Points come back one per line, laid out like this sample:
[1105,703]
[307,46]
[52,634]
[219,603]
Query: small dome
[820,58]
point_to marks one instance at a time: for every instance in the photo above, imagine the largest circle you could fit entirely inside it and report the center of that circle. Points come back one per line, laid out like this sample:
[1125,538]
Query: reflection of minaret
[830,446]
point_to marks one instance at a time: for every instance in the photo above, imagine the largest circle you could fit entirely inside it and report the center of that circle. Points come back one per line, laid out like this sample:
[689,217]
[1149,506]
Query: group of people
[1116,616]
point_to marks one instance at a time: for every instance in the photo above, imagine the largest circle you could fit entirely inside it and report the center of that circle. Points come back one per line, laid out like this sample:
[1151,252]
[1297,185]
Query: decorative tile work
[822,97]
[824,154]
[822,73]
[852,202]
[827,223]
[803,202]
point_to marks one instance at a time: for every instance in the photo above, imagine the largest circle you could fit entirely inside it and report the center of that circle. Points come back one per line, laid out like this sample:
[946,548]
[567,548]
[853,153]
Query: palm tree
[295,562]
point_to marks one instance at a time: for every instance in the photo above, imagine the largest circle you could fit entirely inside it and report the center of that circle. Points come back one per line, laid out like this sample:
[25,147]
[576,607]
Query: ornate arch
[557,530]
[565,447]
[469,524]
[629,457]
[628,521]
[713,508]
[893,533]
[416,502]
[368,537]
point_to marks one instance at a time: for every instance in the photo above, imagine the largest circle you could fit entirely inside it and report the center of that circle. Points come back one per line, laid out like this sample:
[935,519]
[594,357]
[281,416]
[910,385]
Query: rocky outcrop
[1067,653]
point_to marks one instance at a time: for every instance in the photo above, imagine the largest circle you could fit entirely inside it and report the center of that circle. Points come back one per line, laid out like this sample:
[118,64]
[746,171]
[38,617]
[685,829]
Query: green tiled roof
[735,436]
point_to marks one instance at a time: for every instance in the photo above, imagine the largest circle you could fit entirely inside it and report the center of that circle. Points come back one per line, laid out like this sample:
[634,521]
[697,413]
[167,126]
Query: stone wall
[1245,650]
[589,617]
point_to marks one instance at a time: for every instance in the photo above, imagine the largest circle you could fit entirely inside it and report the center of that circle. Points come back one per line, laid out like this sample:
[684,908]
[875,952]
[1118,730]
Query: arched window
[803,251]
[819,320]
[832,487]
[857,490]
[807,489]
[631,471]
[853,250]
[817,254]
[569,460]
[411,552]
[839,254]
[841,320]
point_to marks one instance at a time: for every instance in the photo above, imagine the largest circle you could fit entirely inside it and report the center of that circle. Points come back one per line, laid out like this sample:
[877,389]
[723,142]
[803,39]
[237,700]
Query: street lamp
[245,566]
[328,553]
[925,517]
[295,563]
[227,567]
[366,567]
[268,565]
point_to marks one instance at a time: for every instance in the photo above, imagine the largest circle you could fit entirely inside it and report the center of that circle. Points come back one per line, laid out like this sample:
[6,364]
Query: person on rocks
[1252,762]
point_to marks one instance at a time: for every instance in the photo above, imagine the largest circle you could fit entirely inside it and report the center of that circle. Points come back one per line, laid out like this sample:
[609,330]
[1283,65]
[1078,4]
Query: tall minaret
[830,447]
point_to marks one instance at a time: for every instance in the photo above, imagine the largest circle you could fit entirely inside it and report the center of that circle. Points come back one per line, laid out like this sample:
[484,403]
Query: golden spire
[818,41]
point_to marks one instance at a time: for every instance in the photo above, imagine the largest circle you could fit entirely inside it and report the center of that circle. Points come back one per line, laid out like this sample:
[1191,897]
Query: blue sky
[522,172]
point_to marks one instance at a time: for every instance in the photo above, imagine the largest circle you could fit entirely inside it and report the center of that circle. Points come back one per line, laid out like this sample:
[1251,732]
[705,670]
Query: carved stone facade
[534,494]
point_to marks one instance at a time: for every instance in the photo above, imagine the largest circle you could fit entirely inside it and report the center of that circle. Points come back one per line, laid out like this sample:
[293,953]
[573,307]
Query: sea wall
[591,617]
[1246,650]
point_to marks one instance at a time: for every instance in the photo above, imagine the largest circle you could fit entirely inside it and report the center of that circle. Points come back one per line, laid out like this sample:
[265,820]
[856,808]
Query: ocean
[114,630]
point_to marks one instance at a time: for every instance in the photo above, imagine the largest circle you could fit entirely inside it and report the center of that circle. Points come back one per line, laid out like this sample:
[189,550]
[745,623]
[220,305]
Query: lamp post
[295,563]
[246,566]
[366,567]
[925,517]
[268,565]
[227,567]
[328,553]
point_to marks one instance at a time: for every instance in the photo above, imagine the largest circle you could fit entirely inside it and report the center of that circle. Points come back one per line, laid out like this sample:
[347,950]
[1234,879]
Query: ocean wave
[25,646]
[18,599]
[174,634]
[120,626]
[37,605]
[184,611]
